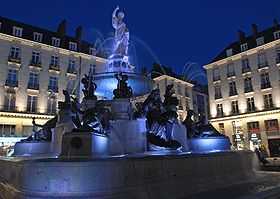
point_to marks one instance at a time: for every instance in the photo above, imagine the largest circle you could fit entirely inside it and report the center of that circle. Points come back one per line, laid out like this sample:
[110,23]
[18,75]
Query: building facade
[244,90]
[36,65]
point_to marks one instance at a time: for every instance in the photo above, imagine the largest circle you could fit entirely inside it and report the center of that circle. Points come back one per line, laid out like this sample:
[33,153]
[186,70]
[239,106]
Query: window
[32,103]
[268,101]
[220,111]
[260,41]
[92,69]
[187,104]
[71,66]
[218,93]
[52,104]
[234,107]
[14,53]
[17,31]
[229,52]
[72,46]
[71,86]
[232,89]
[265,82]
[245,65]
[180,105]
[53,84]
[271,125]
[216,74]
[244,47]
[251,104]
[230,70]
[36,58]
[277,56]
[253,127]
[55,42]
[186,92]
[37,37]
[262,61]
[179,92]
[248,87]
[276,35]
[10,102]
[7,130]
[33,82]
[12,78]
[54,61]
[222,128]
[92,51]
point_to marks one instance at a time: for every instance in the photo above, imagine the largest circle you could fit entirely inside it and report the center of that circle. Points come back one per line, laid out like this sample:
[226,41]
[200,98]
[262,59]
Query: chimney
[275,23]
[241,35]
[78,35]
[255,30]
[61,30]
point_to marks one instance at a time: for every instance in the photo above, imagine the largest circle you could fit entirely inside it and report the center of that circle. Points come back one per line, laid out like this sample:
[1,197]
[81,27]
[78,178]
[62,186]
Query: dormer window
[0,25]
[92,51]
[229,52]
[72,46]
[244,47]
[37,36]
[276,35]
[55,42]
[260,41]
[17,31]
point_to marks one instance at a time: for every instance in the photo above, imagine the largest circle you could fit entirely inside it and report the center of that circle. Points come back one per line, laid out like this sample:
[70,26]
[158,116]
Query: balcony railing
[33,86]
[246,69]
[263,65]
[248,89]
[220,114]
[250,110]
[11,83]
[218,96]
[16,60]
[10,108]
[72,71]
[54,89]
[232,93]
[54,67]
[265,85]
[230,74]
[35,64]
[269,106]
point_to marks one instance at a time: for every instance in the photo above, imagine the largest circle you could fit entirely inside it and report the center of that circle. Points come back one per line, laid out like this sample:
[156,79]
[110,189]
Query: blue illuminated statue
[121,33]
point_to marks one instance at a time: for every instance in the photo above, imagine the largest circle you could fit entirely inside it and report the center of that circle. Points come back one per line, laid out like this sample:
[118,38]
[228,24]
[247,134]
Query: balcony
[33,86]
[246,70]
[35,65]
[233,93]
[220,114]
[54,68]
[248,89]
[10,108]
[218,96]
[11,83]
[230,74]
[71,72]
[263,65]
[251,110]
[269,106]
[266,85]
[52,88]
[14,60]
[234,112]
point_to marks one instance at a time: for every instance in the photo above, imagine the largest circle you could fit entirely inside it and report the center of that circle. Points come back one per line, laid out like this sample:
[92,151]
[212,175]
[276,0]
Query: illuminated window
[232,88]
[33,82]
[10,101]
[251,104]
[72,46]
[260,41]
[37,37]
[52,105]
[234,107]
[12,78]
[32,104]
[276,35]
[53,84]
[55,42]
[7,130]
[220,111]
[244,47]
[17,31]
[265,82]
[248,87]
[268,101]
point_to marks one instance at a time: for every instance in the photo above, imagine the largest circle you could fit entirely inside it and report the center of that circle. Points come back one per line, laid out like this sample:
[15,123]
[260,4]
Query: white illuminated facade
[244,90]
[36,65]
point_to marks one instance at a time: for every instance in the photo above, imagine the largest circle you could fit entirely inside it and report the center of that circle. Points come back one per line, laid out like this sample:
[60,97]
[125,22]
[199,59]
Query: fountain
[113,148]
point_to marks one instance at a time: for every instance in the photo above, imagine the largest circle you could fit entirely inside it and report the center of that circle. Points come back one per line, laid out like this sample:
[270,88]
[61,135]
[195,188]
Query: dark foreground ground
[265,186]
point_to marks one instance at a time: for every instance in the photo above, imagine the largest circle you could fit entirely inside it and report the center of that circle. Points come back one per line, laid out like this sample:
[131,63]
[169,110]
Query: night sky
[173,33]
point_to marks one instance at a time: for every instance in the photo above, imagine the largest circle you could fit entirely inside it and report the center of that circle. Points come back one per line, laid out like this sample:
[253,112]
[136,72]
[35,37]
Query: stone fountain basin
[139,176]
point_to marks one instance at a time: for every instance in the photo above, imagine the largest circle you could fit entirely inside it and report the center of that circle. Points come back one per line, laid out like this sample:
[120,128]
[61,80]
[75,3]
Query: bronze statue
[123,90]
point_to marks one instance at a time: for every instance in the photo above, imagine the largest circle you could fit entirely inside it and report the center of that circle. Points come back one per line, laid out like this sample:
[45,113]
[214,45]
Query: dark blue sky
[170,32]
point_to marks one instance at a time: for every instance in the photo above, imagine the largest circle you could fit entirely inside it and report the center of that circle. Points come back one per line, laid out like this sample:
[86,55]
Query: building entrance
[274,147]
